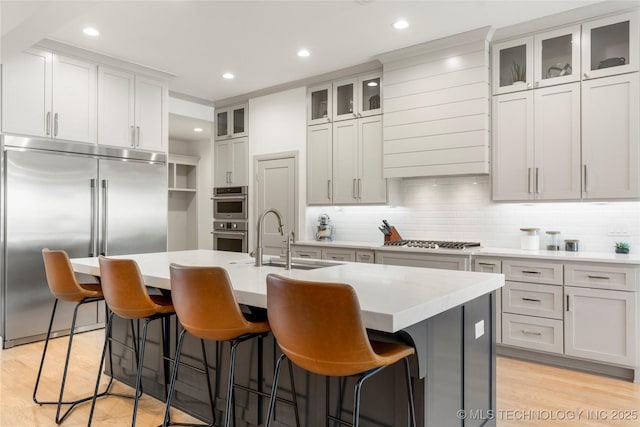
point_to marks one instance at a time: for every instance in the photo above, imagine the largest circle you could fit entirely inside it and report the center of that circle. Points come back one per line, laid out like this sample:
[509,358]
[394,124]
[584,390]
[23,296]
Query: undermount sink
[296,264]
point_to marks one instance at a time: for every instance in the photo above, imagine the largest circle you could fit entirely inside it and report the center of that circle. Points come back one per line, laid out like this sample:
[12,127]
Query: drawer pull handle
[365,256]
[530,272]
[599,277]
[487,263]
[304,256]
[531,299]
[527,332]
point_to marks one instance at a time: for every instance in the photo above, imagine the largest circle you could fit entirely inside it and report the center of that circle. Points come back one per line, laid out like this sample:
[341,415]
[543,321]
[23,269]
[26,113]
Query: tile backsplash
[460,208]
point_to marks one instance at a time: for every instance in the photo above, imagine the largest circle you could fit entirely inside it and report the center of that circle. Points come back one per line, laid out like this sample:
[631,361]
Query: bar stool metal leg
[60,418]
[174,376]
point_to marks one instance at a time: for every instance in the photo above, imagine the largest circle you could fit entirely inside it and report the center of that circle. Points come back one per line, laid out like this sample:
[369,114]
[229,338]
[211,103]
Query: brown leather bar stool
[206,307]
[65,287]
[319,327]
[126,295]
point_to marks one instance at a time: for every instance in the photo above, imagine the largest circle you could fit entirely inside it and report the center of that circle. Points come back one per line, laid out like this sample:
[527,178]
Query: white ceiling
[181,128]
[256,40]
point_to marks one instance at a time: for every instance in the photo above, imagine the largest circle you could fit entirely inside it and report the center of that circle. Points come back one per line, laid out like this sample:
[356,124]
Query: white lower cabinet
[492,265]
[585,310]
[425,260]
[312,252]
[338,254]
[536,333]
[332,253]
[532,300]
[601,325]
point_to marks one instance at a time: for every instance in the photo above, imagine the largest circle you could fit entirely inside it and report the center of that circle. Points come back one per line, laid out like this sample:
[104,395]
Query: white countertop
[563,256]
[391,297]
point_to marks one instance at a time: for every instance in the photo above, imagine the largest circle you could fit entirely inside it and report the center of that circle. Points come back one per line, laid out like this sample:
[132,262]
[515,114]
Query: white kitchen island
[446,315]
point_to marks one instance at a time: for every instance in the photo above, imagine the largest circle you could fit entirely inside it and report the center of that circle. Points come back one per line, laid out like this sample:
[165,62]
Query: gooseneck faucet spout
[258,251]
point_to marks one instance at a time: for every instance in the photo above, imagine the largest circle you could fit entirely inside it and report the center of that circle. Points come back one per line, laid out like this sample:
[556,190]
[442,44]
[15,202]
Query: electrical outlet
[618,233]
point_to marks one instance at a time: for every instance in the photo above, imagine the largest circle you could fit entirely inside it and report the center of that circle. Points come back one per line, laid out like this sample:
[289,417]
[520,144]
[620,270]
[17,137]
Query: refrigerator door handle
[105,211]
[93,248]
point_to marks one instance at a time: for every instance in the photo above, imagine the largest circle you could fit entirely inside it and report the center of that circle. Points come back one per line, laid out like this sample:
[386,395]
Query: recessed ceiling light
[197,129]
[90,31]
[400,24]
[228,76]
[372,83]
[303,53]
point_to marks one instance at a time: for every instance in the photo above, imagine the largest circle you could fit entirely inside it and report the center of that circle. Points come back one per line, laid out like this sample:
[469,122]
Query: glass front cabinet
[346,99]
[320,104]
[610,46]
[557,57]
[513,65]
[231,122]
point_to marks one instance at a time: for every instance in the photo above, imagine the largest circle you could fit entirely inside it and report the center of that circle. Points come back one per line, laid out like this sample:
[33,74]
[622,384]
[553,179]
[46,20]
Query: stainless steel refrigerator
[85,199]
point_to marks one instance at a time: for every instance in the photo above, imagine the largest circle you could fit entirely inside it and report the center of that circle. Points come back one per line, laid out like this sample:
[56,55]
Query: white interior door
[276,187]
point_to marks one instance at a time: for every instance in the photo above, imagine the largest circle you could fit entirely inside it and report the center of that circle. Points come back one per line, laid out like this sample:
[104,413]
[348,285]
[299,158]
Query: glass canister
[530,239]
[553,240]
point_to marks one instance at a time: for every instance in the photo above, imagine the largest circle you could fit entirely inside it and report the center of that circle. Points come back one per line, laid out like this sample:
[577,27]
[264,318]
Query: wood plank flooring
[528,394]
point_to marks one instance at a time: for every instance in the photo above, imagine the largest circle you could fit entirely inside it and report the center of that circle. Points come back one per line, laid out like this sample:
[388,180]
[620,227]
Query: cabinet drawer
[306,252]
[532,271]
[535,333]
[339,254]
[488,265]
[533,300]
[364,256]
[602,276]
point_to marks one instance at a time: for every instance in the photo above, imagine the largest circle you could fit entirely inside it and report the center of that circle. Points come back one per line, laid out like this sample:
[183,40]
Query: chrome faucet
[258,251]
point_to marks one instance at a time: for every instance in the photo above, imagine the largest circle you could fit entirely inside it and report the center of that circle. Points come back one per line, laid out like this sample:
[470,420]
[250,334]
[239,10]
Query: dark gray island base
[453,374]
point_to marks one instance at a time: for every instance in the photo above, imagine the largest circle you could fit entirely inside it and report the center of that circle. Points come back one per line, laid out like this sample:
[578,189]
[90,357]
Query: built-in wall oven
[230,203]
[230,213]
[230,236]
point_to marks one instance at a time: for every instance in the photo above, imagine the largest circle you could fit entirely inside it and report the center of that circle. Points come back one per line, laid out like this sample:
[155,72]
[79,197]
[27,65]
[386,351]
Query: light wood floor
[528,394]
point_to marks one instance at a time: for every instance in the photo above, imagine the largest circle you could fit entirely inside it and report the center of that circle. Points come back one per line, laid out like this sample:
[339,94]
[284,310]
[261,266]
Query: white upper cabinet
[610,46]
[610,135]
[232,122]
[319,164]
[132,110]
[513,65]
[536,144]
[49,95]
[151,114]
[231,162]
[116,109]
[513,147]
[557,57]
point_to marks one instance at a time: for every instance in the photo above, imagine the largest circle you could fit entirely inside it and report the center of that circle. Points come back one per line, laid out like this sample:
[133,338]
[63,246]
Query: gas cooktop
[431,244]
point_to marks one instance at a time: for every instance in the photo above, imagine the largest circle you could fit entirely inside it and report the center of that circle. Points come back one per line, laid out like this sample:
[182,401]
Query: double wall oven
[230,217]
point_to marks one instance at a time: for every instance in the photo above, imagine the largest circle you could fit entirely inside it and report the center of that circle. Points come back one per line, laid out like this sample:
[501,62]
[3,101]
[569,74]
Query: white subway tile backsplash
[460,208]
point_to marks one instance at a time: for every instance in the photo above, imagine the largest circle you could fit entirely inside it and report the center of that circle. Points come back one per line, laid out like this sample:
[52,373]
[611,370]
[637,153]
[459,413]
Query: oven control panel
[230,225]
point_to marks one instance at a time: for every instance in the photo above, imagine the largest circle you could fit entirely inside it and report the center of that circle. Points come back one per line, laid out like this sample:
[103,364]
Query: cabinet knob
[329,119]
[586,76]
[355,115]
[529,85]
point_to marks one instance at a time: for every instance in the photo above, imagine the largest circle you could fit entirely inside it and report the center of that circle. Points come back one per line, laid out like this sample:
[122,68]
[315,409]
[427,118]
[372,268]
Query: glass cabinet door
[610,46]
[557,57]
[239,121]
[222,124]
[344,99]
[319,104]
[370,95]
[512,65]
